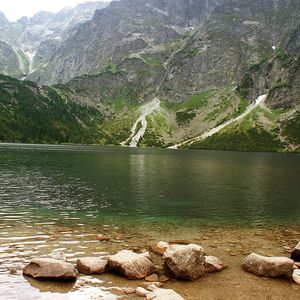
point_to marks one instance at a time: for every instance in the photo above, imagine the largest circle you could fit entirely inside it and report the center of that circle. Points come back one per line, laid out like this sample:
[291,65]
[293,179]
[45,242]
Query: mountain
[31,42]
[206,61]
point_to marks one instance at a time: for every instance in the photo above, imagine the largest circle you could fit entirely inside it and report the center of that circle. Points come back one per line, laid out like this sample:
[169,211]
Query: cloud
[15,9]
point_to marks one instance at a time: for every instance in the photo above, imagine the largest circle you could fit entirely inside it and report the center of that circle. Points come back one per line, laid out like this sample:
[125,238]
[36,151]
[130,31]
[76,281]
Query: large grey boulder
[131,265]
[163,294]
[49,268]
[267,266]
[91,265]
[184,261]
[295,255]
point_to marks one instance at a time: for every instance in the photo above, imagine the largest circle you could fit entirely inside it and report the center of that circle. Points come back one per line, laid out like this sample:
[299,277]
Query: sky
[15,9]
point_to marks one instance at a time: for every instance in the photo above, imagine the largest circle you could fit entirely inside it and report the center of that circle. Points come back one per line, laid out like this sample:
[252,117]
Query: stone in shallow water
[152,278]
[49,268]
[213,264]
[184,261]
[160,247]
[267,266]
[163,294]
[296,276]
[295,255]
[131,265]
[58,255]
[91,265]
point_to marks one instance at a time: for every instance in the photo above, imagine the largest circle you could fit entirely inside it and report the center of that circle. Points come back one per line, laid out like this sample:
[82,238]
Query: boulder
[160,247]
[295,255]
[267,266]
[213,264]
[58,255]
[91,265]
[49,268]
[296,276]
[184,261]
[163,294]
[131,265]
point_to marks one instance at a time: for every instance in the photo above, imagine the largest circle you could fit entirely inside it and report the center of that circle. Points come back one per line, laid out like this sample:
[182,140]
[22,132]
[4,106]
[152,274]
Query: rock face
[184,261]
[163,294]
[131,265]
[48,268]
[267,266]
[295,255]
[213,264]
[91,265]
[296,276]
[160,247]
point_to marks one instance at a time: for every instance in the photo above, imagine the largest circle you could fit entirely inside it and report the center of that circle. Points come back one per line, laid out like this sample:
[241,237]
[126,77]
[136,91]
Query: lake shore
[231,245]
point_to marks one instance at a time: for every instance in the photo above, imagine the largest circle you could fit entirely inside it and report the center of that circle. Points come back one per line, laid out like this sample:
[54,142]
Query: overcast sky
[15,9]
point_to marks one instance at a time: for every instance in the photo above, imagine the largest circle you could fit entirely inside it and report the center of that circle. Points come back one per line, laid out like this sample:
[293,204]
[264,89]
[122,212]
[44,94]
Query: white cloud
[15,9]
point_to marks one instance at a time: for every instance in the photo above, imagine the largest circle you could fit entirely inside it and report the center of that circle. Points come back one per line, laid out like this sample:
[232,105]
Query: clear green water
[91,185]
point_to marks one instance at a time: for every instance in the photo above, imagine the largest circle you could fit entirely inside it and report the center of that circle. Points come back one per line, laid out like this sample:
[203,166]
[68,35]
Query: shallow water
[61,197]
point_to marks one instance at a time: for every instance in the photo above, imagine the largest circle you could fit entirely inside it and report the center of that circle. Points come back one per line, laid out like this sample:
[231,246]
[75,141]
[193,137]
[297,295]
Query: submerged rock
[213,264]
[49,268]
[152,278]
[296,276]
[184,261]
[131,265]
[160,247]
[58,255]
[129,290]
[295,255]
[91,265]
[267,266]
[163,294]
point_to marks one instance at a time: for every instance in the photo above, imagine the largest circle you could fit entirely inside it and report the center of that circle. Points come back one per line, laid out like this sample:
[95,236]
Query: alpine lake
[60,198]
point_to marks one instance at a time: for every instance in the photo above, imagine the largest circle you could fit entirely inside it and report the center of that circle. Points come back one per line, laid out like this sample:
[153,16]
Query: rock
[297,265]
[153,286]
[163,294]
[296,276]
[49,268]
[101,237]
[163,278]
[267,266]
[152,278]
[184,261]
[180,242]
[129,290]
[213,264]
[13,271]
[131,265]
[58,256]
[295,255]
[160,247]
[91,265]
[141,292]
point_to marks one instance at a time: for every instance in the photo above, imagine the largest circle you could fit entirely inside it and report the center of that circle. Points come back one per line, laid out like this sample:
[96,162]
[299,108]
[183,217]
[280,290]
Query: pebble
[152,278]
[141,292]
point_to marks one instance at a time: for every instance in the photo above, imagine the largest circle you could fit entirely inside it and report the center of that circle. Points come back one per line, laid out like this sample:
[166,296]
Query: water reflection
[80,185]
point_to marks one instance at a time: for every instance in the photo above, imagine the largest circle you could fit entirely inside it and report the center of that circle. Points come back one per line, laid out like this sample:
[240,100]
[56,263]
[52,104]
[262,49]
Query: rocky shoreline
[179,260]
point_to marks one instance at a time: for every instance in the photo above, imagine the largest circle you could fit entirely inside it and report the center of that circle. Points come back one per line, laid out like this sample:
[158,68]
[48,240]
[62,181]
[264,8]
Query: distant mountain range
[206,60]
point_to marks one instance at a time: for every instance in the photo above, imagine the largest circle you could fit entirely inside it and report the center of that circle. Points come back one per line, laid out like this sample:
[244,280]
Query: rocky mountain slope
[28,44]
[206,61]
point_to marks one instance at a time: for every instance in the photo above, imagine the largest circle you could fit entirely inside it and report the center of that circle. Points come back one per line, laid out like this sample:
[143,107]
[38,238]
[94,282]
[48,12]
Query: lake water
[61,197]
[60,183]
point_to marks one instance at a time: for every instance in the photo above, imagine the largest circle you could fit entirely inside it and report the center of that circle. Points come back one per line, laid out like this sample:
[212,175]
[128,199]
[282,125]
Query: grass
[196,101]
